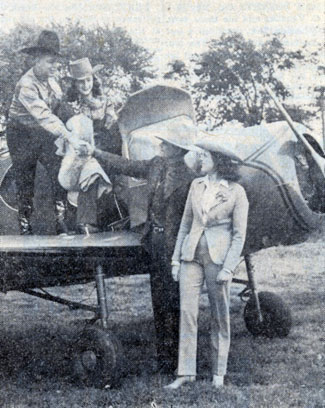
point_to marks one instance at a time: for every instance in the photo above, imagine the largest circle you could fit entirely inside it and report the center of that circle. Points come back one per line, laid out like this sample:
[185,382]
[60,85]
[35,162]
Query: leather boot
[24,216]
[60,209]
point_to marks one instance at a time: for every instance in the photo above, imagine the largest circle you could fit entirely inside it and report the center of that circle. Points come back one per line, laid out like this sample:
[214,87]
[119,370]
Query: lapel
[221,197]
[47,89]
[198,194]
[176,176]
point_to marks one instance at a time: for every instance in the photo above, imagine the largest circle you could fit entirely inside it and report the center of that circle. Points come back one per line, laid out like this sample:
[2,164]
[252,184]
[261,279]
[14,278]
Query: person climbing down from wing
[91,118]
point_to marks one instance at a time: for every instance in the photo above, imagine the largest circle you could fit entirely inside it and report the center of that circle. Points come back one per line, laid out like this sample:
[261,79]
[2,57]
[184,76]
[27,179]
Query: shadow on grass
[41,352]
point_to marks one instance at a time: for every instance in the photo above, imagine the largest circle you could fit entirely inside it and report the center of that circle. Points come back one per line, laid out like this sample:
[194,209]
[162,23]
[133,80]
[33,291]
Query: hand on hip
[175,273]
[224,276]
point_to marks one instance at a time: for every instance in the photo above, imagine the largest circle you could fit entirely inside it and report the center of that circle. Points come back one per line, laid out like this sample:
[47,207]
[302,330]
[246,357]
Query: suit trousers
[165,303]
[192,276]
[27,146]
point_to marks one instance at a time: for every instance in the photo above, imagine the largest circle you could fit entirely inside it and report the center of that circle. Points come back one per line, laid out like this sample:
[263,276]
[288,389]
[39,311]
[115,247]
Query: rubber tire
[277,320]
[107,352]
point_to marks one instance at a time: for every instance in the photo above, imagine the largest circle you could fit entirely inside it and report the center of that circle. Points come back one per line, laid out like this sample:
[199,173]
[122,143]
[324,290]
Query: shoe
[87,229]
[24,226]
[217,381]
[24,216]
[60,210]
[184,379]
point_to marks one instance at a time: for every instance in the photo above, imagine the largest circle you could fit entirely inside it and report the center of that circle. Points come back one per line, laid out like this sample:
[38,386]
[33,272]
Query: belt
[157,228]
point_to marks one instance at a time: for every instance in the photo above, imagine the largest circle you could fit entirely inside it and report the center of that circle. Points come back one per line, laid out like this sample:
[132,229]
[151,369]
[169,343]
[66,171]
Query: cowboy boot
[60,209]
[24,216]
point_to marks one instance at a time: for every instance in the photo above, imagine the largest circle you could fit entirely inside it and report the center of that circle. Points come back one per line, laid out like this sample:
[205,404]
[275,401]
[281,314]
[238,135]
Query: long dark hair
[73,93]
[225,167]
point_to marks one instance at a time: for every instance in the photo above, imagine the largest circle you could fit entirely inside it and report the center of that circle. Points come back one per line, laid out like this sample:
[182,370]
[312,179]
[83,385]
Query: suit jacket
[224,226]
[156,171]
[169,182]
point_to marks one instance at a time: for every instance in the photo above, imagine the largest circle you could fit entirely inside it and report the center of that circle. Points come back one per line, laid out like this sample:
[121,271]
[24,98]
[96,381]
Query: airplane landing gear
[276,316]
[96,358]
[97,353]
[265,313]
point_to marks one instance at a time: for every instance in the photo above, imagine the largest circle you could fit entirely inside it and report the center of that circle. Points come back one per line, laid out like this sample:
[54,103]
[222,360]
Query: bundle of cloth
[78,173]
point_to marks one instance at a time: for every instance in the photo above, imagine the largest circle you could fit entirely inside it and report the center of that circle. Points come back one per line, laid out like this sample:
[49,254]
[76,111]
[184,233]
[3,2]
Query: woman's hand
[175,272]
[224,276]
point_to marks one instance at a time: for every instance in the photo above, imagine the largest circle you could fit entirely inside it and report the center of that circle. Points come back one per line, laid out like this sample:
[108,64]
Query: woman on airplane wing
[85,98]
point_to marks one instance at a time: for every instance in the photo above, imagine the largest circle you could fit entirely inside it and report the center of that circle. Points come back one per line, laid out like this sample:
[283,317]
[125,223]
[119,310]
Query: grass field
[36,336]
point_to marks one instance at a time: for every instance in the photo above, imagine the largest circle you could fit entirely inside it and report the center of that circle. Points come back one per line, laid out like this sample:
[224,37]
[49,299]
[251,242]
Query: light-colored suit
[224,226]
[211,237]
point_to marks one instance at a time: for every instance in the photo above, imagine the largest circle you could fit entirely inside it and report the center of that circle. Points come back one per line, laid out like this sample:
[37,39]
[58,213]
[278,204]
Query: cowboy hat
[48,43]
[185,143]
[216,144]
[81,68]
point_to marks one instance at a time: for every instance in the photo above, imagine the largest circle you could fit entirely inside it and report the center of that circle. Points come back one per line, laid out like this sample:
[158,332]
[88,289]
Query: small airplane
[281,167]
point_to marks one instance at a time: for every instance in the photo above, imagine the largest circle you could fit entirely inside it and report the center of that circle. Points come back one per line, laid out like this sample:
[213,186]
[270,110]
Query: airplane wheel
[96,359]
[277,319]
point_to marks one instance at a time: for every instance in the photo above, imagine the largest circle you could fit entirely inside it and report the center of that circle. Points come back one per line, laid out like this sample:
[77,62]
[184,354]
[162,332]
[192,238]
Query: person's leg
[87,205]
[219,296]
[191,281]
[24,151]
[165,304]
[52,162]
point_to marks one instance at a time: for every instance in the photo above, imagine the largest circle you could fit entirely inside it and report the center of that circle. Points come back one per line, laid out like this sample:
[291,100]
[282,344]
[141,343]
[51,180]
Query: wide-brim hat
[81,69]
[216,144]
[48,43]
[185,143]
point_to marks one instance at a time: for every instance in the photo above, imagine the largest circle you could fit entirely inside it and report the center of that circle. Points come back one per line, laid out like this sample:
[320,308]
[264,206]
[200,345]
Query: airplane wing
[280,209]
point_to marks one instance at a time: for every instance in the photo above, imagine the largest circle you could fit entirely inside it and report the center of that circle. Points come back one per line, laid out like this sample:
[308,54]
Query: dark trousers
[99,211]
[87,205]
[27,146]
[165,303]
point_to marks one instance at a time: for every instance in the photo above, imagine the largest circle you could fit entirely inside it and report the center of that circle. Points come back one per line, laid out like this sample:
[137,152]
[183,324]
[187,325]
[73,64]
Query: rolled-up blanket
[79,172]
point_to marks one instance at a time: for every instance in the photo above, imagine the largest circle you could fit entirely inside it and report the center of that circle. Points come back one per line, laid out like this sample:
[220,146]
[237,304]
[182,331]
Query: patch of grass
[37,339]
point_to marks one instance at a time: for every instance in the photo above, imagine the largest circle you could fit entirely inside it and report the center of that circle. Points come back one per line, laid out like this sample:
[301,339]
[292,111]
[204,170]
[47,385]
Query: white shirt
[210,192]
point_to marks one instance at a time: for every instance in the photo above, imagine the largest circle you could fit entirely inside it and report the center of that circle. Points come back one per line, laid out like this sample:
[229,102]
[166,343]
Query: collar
[175,161]
[207,182]
[38,78]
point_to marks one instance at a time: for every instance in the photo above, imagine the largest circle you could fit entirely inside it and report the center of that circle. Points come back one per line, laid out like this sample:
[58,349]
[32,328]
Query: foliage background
[127,66]
[224,81]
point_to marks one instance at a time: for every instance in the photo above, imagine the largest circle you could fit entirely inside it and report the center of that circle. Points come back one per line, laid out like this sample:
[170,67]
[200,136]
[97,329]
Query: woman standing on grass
[208,247]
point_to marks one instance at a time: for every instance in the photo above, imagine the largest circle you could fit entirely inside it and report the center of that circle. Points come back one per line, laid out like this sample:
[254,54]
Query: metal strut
[252,285]
[57,299]
[101,296]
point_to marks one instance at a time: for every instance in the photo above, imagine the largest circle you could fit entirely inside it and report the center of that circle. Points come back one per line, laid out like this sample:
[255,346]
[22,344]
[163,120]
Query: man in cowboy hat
[168,182]
[33,128]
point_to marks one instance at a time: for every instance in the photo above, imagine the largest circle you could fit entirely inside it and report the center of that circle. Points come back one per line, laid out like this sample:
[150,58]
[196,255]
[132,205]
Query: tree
[229,77]
[127,66]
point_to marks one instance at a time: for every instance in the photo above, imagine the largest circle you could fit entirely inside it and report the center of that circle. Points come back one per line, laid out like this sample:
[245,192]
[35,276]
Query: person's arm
[239,225]
[115,164]
[40,111]
[184,228]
